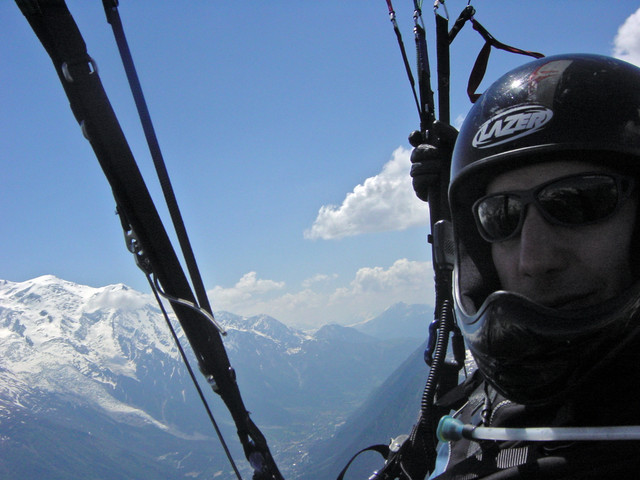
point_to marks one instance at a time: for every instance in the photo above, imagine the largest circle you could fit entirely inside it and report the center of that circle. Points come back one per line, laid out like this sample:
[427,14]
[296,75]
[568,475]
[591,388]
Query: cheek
[505,260]
[608,250]
[609,268]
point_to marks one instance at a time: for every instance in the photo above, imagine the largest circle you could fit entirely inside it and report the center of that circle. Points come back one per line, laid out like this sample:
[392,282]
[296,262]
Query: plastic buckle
[66,67]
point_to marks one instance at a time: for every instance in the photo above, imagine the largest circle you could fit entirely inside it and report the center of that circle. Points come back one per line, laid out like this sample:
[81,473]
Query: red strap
[480,67]
[391,12]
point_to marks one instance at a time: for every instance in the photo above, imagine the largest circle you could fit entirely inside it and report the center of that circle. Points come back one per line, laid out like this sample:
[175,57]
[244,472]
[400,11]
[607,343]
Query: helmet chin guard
[565,107]
[533,354]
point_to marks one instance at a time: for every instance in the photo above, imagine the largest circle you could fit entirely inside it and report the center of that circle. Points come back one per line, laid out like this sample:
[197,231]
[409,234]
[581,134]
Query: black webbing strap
[59,34]
[462,19]
[423,71]
[444,68]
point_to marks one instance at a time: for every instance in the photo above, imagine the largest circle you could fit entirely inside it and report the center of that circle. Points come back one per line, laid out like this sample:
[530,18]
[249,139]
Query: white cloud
[627,41]
[459,121]
[244,293]
[402,275]
[318,279]
[322,301]
[382,203]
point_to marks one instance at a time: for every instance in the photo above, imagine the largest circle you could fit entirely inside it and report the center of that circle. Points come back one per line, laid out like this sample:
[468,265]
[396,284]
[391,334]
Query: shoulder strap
[381,449]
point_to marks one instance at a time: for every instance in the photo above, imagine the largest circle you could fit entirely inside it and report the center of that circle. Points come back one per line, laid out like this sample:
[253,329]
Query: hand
[431,159]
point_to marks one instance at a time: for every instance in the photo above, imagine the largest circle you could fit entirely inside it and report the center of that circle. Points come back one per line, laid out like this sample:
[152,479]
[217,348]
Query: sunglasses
[570,201]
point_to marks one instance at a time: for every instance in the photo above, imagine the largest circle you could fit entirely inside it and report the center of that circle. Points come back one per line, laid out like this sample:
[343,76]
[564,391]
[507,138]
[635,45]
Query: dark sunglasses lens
[579,200]
[499,216]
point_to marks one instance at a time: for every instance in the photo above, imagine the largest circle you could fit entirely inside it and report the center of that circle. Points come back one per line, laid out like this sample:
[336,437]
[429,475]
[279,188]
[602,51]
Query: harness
[479,406]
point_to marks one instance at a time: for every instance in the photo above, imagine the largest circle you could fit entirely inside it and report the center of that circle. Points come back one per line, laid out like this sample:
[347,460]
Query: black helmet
[583,107]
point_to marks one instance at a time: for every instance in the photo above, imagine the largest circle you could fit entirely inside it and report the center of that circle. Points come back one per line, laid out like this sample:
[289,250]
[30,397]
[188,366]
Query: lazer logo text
[511,124]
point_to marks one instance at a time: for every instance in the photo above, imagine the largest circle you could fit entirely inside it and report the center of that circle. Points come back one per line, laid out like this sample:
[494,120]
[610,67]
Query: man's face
[559,266]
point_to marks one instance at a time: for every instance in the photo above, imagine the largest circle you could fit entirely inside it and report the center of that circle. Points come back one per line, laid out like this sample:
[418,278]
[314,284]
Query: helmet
[584,107]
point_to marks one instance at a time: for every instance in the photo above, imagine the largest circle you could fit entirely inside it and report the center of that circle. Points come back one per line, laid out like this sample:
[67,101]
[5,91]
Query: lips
[572,301]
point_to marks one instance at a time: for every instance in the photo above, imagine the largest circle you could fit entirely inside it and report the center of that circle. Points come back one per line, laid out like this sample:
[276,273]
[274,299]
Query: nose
[542,250]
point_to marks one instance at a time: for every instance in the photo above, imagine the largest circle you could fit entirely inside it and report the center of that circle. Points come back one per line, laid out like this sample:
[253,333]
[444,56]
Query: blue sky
[284,128]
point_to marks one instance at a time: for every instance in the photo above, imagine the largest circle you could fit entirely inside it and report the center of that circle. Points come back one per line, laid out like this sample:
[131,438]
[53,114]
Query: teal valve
[450,429]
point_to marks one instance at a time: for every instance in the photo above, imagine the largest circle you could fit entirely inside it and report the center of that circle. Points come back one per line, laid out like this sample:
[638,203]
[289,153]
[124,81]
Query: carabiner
[436,6]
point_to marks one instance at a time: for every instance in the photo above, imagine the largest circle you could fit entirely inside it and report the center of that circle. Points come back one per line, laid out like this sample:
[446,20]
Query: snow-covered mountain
[56,334]
[87,374]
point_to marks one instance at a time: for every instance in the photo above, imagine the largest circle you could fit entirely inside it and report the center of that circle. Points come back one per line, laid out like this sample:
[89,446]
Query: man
[544,204]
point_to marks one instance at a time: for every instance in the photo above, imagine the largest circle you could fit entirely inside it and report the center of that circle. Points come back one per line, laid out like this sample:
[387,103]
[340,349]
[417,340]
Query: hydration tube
[450,429]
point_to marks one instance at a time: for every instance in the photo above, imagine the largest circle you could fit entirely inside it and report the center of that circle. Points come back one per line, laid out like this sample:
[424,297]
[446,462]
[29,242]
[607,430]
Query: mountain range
[92,387]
